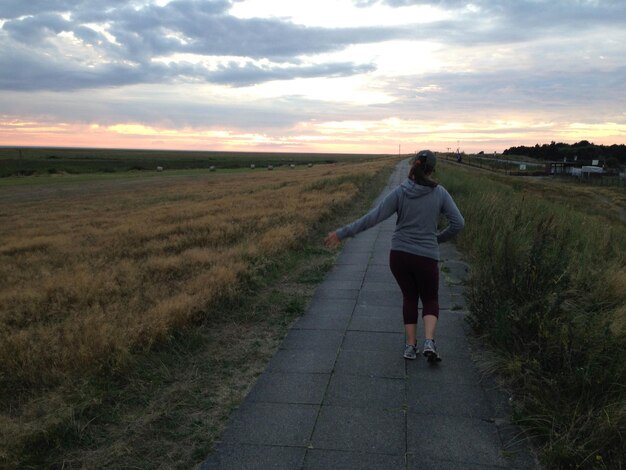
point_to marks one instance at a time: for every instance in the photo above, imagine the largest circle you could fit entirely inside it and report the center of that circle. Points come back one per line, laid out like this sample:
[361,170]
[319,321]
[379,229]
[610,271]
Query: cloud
[252,74]
[460,94]
[114,46]
[489,22]
[193,64]
[64,45]
[33,71]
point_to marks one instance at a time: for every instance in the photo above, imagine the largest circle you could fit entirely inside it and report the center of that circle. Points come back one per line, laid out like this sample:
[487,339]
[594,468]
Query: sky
[355,76]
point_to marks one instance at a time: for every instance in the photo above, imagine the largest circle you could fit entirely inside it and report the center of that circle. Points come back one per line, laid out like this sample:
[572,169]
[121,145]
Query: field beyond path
[114,291]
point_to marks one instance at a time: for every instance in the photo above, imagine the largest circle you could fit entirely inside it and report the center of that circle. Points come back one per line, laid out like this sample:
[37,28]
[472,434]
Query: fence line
[511,168]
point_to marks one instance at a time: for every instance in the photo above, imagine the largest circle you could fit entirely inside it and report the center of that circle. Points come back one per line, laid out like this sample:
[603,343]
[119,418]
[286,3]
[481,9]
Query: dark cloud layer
[140,34]
[136,34]
[491,22]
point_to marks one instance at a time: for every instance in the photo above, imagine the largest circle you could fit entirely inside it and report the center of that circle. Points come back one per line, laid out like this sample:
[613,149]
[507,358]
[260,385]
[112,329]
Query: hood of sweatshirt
[413,190]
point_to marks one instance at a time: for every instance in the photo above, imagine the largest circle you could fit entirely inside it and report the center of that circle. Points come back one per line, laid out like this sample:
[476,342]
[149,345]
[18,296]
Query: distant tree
[611,162]
[583,151]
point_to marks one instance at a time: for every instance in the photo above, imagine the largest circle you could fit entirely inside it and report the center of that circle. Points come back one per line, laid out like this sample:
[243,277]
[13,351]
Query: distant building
[591,171]
[560,168]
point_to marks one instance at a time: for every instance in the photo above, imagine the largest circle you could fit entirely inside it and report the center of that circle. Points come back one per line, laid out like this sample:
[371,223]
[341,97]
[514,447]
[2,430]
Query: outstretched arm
[382,211]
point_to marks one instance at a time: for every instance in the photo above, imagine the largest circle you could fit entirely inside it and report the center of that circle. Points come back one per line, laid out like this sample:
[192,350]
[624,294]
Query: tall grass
[90,276]
[548,294]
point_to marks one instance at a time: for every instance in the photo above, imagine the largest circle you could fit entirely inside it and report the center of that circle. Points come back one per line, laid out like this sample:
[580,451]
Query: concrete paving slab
[451,324]
[373,341]
[378,276]
[382,245]
[318,459]
[360,430]
[458,302]
[317,340]
[335,293]
[449,250]
[352,276]
[356,248]
[416,462]
[379,298]
[279,387]
[342,284]
[390,288]
[454,399]
[254,457]
[455,438]
[499,399]
[457,290]
[322,322]
[369,234]
[380,258]
[358,258]
[334,307]
[391,313]
[452,370]
[277,424]
[376,323]
[302,361]
[364,240]
[389,364]
[450,317]
[365,392]
[347,270]
[380,269]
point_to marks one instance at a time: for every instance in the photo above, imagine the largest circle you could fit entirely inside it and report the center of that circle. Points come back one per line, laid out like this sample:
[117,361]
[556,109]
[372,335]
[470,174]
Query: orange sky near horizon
[356,137]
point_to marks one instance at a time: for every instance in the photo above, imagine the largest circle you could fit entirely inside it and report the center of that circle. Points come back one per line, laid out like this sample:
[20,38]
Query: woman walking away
[418,202]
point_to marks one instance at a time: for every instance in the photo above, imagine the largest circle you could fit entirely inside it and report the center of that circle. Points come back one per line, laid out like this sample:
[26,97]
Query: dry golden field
[88,277]
[92,273]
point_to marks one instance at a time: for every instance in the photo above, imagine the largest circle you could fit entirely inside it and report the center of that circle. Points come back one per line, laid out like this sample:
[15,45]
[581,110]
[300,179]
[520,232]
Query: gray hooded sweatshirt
[418,208]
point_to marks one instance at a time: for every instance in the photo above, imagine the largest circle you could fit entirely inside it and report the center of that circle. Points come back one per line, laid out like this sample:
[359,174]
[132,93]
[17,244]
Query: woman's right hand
[332,240]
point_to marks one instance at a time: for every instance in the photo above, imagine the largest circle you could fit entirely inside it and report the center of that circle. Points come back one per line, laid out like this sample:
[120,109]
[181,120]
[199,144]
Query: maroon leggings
[418,278]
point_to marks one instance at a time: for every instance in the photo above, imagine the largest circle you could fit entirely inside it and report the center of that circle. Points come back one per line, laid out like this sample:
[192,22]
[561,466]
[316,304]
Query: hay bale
[159,168]
[270,167]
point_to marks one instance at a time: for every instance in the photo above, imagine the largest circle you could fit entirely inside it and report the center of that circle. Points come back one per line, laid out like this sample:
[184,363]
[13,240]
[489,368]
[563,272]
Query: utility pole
[399,147]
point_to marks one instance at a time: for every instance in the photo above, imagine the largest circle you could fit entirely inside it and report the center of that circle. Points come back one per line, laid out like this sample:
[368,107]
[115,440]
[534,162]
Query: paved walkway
[339,395]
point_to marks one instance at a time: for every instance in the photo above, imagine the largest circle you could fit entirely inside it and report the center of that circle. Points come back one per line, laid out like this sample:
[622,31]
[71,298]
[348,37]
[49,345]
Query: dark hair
[418,170]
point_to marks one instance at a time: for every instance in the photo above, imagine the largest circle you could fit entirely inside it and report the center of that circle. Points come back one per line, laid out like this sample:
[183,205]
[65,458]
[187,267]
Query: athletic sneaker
[410,351]
[430,350]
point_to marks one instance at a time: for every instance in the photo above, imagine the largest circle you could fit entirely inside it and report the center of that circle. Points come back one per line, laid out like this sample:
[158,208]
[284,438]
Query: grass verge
[548,296]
